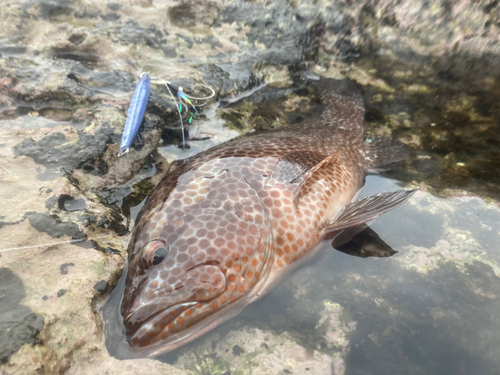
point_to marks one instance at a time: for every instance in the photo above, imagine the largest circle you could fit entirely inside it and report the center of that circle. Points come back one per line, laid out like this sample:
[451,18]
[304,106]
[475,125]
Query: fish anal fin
[362,241]
[367,209]
[345,236]
[304,180]
[381,151]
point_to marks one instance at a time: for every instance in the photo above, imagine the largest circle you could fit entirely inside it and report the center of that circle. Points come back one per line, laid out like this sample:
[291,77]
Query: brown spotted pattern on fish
[223,228]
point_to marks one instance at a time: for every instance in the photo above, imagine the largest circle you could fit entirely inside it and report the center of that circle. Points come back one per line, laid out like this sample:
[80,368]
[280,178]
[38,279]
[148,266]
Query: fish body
[226,226]
[135,113]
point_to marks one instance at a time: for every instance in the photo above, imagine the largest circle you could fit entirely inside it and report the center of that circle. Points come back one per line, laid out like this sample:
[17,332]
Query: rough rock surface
[429,73]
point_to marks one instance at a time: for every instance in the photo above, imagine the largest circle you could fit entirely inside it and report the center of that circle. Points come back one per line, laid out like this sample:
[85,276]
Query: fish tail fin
[381,151]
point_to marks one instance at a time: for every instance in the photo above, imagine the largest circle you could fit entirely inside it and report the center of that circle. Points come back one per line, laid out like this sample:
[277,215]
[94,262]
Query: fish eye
[155,252]
[159,255]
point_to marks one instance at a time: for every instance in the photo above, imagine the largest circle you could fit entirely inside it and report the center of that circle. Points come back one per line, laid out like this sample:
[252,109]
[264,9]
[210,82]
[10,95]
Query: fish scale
[226,226]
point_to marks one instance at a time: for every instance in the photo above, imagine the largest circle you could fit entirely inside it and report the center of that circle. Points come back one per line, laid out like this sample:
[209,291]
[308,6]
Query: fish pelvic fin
[366,209]
[381,151]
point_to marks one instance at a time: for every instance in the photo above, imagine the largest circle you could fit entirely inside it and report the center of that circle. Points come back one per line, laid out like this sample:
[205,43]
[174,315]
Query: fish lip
[161,310]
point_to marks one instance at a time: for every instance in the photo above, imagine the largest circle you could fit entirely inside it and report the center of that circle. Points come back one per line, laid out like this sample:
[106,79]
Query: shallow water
[208,132]
[431,308]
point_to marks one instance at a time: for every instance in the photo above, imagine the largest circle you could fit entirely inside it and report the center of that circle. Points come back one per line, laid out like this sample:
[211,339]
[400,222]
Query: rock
[48,224]
[18,325]
[102,286]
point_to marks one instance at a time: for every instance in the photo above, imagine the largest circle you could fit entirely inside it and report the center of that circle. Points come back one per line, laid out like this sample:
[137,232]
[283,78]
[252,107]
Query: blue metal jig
[135,113]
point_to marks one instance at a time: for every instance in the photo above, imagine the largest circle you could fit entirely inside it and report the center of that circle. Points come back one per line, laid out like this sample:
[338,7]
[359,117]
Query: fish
[226,226]
[135,113]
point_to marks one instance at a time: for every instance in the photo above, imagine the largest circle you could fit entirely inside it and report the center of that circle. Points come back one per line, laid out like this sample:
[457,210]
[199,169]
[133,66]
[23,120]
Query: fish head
[192,266]
[164,294]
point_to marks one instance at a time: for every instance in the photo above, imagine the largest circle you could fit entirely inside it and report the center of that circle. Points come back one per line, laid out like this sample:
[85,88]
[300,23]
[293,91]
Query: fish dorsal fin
[367,209]
[298,168]
[381,151]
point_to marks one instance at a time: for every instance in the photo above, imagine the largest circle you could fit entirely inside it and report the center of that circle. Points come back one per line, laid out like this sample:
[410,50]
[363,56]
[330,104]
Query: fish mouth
[162,306]
[126,350]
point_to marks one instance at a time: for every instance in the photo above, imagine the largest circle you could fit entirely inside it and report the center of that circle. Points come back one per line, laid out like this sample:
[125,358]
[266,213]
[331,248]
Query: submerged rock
[250,350]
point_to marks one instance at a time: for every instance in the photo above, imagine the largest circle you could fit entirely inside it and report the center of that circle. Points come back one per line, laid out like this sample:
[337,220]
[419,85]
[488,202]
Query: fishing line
[53,243]
[207,98]
[180,116]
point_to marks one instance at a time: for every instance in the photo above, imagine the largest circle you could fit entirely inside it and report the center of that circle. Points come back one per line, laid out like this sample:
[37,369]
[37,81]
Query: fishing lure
[135,113]
[184,100]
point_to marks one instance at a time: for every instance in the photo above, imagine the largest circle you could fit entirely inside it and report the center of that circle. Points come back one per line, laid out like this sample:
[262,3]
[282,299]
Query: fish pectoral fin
[294,164]
[381,151]
[305,178]
[367,209]
[298,167]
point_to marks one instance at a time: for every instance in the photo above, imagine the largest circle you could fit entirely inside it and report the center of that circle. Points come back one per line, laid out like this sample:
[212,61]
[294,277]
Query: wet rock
[18,325]
[53,227]
[114,6]
[214,42]
[102,286]
[265,43]
[77,39]
[52,151]
[194,13]
[263,110]
[64,268]
[75,205]
[51,202]
[336,334]
[133,33]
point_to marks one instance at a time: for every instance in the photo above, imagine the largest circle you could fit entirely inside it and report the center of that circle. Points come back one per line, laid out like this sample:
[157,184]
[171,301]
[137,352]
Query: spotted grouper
[225,227]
